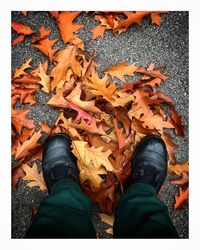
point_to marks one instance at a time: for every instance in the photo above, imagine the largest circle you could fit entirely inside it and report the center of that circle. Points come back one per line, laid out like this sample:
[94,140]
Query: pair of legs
[67,211]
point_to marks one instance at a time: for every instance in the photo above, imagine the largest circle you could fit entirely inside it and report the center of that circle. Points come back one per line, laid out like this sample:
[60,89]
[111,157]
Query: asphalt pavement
[166,46]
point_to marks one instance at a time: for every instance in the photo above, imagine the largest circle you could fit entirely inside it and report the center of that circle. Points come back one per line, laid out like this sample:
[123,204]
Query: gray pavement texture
[166,46]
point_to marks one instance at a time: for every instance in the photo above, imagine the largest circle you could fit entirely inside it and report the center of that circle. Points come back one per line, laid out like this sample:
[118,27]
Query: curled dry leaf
[179,168]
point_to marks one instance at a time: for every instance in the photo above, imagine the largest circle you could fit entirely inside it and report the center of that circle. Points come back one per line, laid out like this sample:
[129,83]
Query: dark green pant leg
[65,213]
[140,214]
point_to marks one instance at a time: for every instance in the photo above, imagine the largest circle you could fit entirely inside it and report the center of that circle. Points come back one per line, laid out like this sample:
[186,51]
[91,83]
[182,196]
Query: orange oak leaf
[19,72]
[182,198]
[43,34]
[30,99]
[44,78]
[155,18]
[132,17]
[74,97]
[170,147]
[54,13]
[19,119]
[100,86]
[45,46]
[179,168]
[65,59]
[18,39]
[176,120]
[33,175]
[25,148]
[21,28]
[66,25]
[120,70]
[153,73]
[97,31]
[92,162]
[16,174]
[22,93]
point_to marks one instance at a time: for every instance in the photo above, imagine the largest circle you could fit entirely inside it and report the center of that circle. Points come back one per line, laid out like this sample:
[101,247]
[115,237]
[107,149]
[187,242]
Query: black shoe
[149,162]
[58,162]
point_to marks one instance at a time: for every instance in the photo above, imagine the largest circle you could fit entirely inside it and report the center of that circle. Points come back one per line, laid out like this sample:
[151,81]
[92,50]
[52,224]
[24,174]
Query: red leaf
[18,39]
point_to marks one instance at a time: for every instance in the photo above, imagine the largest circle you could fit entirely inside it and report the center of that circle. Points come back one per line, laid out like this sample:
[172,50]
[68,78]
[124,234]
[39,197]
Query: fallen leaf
[109,230]
[19,72]
[43,34]
[155,18]
[19,119]
[44,78]
[92,162]
[34,176]
[17,173]
[18,40]
[181,181]
[182,198]
[45,46]
[21,28]
[120,70]
[66,25]
[25,148]
[97,31]
[179,168]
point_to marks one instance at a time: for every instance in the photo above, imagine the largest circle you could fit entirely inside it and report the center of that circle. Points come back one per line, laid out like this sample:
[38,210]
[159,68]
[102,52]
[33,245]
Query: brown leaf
[44,78]
[22,93]
[107,219]
[153,73]
[170,147]
[66,25]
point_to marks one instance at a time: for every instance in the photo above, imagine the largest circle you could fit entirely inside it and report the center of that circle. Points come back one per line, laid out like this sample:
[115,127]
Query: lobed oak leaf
[25,148]
[65,59]
[19,120]
[120,70]
[97,31]
[179,168]
[43,34]
[121,98]
[19,72]
[182,198]
[34,176]
[44,79]
[176,120]
[92,163]
[22,93]
[45,46]
[66,25]
[21,28]
[132,17]
[30,99]
[170,147]
[75,96]
[153,73]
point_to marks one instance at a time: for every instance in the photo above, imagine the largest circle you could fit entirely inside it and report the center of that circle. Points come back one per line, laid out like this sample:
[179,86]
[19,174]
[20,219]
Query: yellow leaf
[34,176]
[92,162]
[120,70]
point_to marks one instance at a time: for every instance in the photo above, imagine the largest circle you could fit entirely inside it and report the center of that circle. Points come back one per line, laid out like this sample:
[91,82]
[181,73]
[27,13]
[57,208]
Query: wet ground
[165,46]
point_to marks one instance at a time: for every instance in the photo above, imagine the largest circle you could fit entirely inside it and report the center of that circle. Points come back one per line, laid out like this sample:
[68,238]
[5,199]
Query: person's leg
[139,213]
[66,212]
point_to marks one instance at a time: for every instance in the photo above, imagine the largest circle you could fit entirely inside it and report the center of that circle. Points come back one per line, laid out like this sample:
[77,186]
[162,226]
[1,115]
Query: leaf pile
[104,122]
